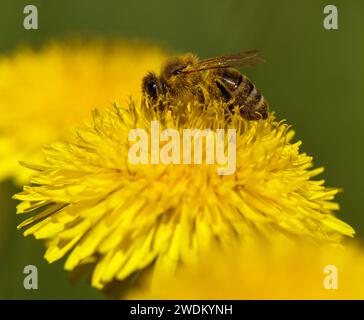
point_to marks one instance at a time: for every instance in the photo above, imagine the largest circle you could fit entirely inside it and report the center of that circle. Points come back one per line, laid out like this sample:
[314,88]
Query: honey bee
[186,78]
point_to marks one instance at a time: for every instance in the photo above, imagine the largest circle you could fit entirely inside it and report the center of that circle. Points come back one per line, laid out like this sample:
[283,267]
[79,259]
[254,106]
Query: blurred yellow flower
[122,218]
[272,270]
[44,93]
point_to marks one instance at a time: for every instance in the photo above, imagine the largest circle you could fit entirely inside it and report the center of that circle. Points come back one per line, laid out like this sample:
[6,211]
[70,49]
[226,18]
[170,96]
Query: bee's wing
[242,59]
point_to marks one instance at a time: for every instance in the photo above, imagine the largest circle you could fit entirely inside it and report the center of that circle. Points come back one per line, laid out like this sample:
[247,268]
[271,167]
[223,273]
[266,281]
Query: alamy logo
[331,18]
[331,279]
[31,280]
[31,19]
[190,152]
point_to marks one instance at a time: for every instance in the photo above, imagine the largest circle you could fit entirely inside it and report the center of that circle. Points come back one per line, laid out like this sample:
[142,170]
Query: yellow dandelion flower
[45,92]
[120,217]
[275,270]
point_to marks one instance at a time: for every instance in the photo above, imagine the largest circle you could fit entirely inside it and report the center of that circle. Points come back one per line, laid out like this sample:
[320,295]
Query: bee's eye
[153,90]
[150,86]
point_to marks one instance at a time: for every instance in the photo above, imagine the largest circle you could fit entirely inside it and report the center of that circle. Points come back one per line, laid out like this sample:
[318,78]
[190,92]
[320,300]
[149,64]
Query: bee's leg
[225,95]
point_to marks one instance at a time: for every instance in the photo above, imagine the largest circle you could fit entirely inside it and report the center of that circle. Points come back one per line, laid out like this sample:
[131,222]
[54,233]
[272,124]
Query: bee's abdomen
[243,93]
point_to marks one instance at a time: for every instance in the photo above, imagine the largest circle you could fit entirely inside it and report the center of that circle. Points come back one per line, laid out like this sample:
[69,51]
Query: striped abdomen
[238,90]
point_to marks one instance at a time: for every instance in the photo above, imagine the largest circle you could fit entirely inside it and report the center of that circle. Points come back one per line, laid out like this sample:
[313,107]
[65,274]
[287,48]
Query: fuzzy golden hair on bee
[174,66]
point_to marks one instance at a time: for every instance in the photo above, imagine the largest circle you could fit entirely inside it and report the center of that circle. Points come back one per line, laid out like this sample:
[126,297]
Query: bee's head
[152,87]
[172,84]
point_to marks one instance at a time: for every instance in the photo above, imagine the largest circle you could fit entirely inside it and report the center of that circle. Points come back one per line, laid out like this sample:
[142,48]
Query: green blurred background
[313,78]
